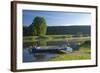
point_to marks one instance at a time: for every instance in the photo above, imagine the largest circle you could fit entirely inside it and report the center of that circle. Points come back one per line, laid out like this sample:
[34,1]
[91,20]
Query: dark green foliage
[86,44]
[38,26]
[73,30]
[76,31]
[25,31]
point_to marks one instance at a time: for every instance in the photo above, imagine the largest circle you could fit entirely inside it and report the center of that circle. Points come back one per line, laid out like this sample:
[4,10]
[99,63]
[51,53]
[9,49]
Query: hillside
[61,30]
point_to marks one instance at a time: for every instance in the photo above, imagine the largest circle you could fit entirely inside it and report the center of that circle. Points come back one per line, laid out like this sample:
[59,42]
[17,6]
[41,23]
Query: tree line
[39,27]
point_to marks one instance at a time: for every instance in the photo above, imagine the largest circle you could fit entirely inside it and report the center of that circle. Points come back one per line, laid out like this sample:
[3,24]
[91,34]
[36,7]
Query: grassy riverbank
[83,53]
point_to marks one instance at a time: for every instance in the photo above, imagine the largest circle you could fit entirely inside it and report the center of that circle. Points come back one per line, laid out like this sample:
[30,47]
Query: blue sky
[55,18]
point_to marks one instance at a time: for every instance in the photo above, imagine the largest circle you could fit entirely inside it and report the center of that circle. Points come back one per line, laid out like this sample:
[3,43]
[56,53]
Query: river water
[29,56]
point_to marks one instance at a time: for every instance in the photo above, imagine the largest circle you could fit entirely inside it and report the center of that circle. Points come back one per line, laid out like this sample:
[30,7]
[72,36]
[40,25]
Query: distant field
[53,38]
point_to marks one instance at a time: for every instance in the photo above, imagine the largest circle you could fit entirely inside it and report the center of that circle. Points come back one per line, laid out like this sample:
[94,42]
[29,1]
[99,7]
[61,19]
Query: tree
[38,26]
[25,31]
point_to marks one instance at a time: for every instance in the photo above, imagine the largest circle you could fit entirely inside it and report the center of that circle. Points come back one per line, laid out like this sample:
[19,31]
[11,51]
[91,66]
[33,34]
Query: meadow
[54,38]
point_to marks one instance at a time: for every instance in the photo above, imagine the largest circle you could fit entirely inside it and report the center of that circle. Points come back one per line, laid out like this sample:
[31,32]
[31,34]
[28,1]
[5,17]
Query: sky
[58,18]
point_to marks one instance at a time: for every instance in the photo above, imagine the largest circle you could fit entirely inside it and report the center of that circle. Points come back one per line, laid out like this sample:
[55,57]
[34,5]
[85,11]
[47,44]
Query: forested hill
[59,30]
[62,30]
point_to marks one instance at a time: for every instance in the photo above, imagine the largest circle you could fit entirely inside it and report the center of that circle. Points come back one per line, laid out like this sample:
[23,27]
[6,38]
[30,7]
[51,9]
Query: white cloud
[72,25]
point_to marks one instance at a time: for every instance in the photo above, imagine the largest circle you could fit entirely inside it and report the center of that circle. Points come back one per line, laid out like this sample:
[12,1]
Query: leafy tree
[25,31]
[38,26]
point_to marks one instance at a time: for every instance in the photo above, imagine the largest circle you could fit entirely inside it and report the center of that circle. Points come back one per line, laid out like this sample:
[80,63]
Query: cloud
[71,25]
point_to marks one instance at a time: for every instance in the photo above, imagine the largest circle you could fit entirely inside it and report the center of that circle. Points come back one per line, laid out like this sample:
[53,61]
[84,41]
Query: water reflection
[73,43]
[30,56]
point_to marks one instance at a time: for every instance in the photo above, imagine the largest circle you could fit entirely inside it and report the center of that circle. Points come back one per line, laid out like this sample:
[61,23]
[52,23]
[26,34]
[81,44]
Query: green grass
[83,53]
[70,57]
[86,50]
[85,47]
[53,38]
